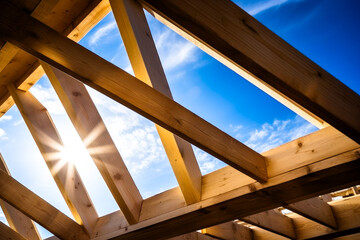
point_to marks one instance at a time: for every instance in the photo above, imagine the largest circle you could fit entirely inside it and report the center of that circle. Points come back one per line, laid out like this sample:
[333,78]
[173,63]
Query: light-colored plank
[50,145]
[319,145]
[249,199]
[239,41]
[162,203]
[262,234]
[38,209]
[315,209]
[347,214]
[273,221]
[147,67]
[92,130]
[109,223]
[229,231]
[7,233]
[70,57]
[16,219]
[229,182]
[192,236]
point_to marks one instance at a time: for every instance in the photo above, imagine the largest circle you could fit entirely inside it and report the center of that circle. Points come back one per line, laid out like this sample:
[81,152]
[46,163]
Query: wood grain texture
[192,236]
[50,145]
[237,39]
[229,231]
[92,130]
[147,67]
[16,219]
[24,70]
[273,221]
[249,199]
[38,209]
[64,54]
[347,214]
[7,233]
[316,210]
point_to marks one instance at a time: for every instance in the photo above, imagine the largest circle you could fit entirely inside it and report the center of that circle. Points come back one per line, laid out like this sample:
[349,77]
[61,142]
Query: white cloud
[102,32]
[48,98]
[2,133]
[255,7]
[174,50]
[135,137]
[271,135]
[5,118]
[207,162]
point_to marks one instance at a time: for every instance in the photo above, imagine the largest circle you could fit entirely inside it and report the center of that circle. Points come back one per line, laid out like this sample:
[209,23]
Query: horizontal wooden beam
[273,221]
[229,231]
[147,67]
[16,219]
[7,233]
[316,210]
[238,40]
[38,209]
[347,215]
[51,147]
[192,236]
[66,55]
[92,130]
[229,195]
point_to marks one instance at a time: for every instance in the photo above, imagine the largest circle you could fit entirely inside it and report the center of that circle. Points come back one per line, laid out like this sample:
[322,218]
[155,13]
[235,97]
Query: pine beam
[316,210]
[273,221]
[229,231]
[16,219]
[347,214]
[238,40]
[7,233]
[38,209]
[95,11]
[66,55]
[147,67]
[232,197]
[92,130]
[192,236]
[51,146]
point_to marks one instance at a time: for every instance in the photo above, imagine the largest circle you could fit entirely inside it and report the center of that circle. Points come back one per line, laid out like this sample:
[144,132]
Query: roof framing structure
[240,201]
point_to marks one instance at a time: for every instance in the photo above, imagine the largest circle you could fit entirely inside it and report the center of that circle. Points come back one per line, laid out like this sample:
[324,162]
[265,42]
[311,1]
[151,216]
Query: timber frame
[245,200]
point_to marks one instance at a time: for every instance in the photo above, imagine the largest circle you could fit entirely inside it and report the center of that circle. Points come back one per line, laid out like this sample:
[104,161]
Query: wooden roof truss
[240,201]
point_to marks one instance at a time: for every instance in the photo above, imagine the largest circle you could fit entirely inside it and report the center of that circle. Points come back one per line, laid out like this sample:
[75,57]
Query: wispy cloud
[102,32]
[48,98]
[135,136]
[278,132]
[255,7]
[5,118]
[174,50]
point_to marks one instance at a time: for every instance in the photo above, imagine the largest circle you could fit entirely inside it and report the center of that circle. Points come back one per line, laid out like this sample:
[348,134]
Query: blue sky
[327,31]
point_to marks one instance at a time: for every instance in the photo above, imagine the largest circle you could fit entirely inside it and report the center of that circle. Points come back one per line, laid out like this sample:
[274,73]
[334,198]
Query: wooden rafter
[92,130]
[316,210]
[238,40]
[38,209]
[8,233]
[16,219]
[147,67]
[96,72]
[83,23]
[273,221]
[51,146]
[229,195]
[247,47]
[229,231]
